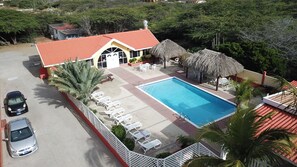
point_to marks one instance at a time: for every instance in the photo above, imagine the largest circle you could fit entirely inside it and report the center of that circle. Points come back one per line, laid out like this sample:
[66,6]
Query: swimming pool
[197,106]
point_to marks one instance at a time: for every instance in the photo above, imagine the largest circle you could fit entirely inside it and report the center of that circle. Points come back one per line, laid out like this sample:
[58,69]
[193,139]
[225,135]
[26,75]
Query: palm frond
[212,133]
[76,78]
[204,161]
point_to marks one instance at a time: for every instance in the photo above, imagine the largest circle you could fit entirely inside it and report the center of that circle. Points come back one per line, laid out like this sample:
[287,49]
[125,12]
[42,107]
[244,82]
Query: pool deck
[155,117]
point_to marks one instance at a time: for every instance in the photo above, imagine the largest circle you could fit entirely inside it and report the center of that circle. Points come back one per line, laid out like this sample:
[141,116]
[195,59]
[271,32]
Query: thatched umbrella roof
[214,63]
[167,49]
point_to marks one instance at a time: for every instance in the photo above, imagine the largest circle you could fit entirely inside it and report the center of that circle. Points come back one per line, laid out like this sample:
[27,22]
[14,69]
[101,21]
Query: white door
[112,60]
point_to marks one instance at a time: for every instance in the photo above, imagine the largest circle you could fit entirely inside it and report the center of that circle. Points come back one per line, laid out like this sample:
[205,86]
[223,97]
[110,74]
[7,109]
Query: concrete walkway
[155,117]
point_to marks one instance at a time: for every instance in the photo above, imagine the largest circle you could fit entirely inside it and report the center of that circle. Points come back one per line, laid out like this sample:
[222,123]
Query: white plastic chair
[223,81]
[142,68]
[153,67]
[150,144]
[109,105]
[97,95]
[114,112]
[121,118]
[102,100]
[131,126]
[140,134]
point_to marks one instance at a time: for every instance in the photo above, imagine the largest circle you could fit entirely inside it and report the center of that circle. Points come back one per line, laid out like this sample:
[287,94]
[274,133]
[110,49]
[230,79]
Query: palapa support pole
[187,69]
[201,77]
[263,78]
[217,85]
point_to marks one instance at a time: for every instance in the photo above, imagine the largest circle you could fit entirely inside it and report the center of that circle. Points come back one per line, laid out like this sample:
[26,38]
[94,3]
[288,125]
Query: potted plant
[134,62]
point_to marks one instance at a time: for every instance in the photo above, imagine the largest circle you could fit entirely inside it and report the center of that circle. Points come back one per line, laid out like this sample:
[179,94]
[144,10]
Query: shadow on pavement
[33,65]
[97,154]
[49,95]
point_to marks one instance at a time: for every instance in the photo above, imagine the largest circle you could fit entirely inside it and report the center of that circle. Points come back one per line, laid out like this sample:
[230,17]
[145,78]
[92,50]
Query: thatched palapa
[213,63]
[167,49]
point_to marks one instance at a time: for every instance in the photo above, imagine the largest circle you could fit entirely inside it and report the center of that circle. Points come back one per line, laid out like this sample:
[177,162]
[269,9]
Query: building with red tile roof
[102,51]
[284,117]
[61,31]
[294,83]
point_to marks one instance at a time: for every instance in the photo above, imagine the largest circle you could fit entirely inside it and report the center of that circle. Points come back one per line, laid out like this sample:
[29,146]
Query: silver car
[21,139]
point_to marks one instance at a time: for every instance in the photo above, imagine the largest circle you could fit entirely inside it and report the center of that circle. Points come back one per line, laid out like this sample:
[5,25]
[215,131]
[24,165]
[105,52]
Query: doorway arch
[111,58]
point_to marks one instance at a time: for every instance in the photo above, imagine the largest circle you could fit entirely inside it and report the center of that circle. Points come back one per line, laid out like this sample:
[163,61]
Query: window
[134,54]
[102,61]
[90,62]
[146,51]
[122,57]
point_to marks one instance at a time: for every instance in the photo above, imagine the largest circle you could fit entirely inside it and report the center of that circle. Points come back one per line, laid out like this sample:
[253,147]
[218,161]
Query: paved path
[64,140]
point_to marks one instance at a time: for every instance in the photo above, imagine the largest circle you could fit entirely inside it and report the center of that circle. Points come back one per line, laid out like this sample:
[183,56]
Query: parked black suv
[15,103]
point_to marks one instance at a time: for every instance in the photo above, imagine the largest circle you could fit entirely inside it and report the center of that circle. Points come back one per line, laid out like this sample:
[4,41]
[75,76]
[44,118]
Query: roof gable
[139,39]
[57,52]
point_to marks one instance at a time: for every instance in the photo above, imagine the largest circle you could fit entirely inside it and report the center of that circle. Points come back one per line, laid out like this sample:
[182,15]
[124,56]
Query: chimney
[145,24]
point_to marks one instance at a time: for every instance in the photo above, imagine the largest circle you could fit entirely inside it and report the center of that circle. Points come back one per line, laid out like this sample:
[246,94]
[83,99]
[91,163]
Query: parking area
[64,140]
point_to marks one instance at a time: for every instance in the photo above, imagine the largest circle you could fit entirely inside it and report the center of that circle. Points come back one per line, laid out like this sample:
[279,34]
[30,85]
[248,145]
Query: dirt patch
[26,48]
[42,39]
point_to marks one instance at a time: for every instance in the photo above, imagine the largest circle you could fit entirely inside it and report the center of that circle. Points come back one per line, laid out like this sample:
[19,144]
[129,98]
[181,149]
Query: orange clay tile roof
[280,119]
[294,83]
[57,52]
[65,27]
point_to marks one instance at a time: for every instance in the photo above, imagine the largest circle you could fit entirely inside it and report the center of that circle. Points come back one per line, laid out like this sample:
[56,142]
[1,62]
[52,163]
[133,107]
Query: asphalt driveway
[64,140]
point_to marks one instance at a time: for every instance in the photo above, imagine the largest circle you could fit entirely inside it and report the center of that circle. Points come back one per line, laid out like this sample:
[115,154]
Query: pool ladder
[183,116]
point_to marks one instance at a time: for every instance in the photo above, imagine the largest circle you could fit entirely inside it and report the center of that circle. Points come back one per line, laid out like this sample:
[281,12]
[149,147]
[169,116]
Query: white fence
[134,159]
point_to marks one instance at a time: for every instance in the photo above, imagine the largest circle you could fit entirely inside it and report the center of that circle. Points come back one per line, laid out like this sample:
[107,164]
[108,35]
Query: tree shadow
[33,65]
[98,154]
[49,95]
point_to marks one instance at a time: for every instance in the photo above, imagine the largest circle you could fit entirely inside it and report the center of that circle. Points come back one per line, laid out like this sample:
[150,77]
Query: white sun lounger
[131,126]
[117,112]
[150,144]
[111,104]
[102,100]
[97,95]
[121,118]
[140,134]
[112,112]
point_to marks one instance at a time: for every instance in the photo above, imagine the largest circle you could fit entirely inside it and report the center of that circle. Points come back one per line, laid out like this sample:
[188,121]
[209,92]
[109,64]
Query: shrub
[119,131]
[133,60]
[129,143]
[185,141]
[163,155]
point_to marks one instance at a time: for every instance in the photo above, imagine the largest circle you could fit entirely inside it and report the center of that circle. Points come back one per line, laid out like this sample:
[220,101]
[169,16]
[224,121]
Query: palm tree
[76,78]
[243,143]
[244,91]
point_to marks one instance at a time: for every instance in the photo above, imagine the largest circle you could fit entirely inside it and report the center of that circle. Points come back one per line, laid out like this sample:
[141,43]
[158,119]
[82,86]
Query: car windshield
[16,100]
[20,134]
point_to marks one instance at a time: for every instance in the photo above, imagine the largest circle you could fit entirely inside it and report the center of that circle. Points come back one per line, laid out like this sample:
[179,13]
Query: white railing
[134,159]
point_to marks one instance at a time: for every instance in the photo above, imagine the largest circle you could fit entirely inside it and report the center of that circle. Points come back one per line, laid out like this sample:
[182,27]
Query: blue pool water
[196,105]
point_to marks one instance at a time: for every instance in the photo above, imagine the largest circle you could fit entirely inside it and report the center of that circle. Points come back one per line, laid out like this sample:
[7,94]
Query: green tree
[13,23]
[76,78]
[46,18]
[255,56]
[114,19]
[244,91]
[243,143]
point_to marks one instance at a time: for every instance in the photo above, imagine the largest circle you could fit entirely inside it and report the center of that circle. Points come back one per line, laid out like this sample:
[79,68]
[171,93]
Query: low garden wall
[257,78]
